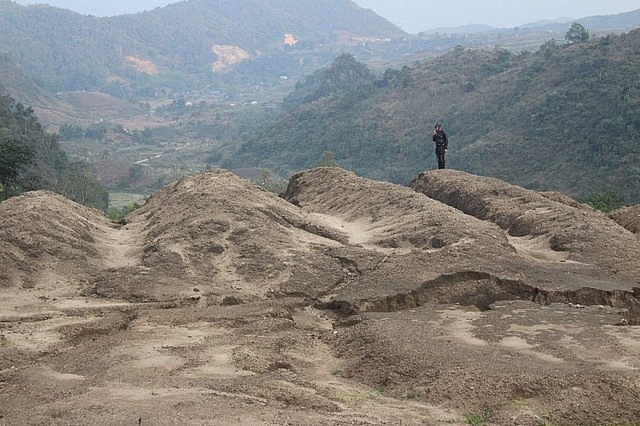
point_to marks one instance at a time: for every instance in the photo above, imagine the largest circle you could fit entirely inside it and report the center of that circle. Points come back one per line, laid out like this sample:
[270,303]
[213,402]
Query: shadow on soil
[479,289]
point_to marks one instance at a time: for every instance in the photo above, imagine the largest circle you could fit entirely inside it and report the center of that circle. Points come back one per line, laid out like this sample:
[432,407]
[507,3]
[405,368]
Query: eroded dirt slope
[628,217]
[584,234]
[346,301]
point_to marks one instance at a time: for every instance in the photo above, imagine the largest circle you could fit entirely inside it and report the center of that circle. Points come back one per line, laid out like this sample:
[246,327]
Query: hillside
[124,99]
[345,301]
[197,44]
[622,21]
[185,45]
[563,118]
[31,158]
[15,82]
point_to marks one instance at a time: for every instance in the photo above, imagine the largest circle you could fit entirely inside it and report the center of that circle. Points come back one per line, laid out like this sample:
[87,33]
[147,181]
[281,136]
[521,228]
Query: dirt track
[349,301]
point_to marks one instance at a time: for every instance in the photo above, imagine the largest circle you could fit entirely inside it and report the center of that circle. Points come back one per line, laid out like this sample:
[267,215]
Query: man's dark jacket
[440,138]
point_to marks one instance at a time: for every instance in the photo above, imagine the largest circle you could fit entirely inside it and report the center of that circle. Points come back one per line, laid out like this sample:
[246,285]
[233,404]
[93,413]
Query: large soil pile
[345,301]
[629,217]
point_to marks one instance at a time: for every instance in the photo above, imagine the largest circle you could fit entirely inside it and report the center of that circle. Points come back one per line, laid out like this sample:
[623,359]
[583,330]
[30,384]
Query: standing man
[442,144]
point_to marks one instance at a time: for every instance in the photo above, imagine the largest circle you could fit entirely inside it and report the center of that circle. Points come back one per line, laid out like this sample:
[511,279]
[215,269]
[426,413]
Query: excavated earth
[629,217]
[460,299]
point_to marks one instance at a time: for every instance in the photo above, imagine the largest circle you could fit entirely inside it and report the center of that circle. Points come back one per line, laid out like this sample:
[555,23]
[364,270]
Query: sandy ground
[345,301]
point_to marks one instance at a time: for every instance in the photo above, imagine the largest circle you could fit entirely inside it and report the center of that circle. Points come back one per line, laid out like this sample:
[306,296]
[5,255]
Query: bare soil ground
[345,301]
[629,217]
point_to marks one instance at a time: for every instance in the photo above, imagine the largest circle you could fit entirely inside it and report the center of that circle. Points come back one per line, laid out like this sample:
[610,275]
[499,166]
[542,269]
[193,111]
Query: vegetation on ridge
[566,117]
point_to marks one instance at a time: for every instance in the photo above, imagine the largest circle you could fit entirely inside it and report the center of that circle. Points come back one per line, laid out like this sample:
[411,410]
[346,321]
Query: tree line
[31,159]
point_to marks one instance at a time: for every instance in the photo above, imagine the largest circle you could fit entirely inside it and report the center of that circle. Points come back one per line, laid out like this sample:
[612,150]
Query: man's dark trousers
[440,155]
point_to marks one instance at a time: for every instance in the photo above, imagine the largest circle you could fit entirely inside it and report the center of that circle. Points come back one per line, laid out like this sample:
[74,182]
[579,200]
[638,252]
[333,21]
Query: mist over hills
[620,21]
[195,43]
[598,23]
[15,81]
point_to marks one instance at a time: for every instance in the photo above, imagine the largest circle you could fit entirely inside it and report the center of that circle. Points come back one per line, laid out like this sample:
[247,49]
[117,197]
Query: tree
[577,34]
[14,157]
[31,158]
[344,75]
[79,183]
[327,160]
[70,132]
[606,200]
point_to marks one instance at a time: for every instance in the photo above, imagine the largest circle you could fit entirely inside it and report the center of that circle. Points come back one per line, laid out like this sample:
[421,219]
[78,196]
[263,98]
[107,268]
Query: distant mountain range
[618,22]
[219,43]
[185,44]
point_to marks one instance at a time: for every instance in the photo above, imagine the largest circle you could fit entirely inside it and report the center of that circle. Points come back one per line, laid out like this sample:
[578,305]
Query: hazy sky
[411,15]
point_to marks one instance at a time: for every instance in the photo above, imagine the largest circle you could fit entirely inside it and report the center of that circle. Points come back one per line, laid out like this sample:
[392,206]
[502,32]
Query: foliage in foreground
[14,158]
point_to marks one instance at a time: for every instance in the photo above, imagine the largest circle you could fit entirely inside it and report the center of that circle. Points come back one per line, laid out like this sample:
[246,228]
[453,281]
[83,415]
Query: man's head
[437,126]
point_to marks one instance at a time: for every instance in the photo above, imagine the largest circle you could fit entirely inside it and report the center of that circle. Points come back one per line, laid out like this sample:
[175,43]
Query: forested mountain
[185,44]
[221,43]
[566,117]
[31,158]
[344,74]
[19,85]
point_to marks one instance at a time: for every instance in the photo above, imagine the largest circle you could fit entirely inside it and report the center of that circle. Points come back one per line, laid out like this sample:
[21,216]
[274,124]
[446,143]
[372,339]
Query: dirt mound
[345,301]
[585,235]
[233,240]
[628,217]
[44,234]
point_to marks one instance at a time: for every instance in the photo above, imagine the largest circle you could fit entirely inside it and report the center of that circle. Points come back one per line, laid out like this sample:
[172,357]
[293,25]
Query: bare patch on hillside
[345,301]
[290,40]
[227,57]
[142,65]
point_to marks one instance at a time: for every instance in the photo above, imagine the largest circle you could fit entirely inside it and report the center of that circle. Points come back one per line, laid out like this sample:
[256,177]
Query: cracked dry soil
[344,301]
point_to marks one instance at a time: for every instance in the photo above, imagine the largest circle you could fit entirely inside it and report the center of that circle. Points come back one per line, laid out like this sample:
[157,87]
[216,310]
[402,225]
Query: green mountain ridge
[564,118]
[171,49]
[69,51]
